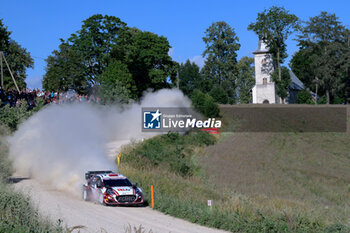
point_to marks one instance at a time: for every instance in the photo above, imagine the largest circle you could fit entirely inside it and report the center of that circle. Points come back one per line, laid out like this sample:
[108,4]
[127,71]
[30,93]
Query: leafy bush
[171,150]
[219,95]
[205,104]
[5,164]
[116,84]
[11,117]
[304,97]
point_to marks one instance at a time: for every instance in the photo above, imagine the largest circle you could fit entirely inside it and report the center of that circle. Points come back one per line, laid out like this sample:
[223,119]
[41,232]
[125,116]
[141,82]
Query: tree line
[322,62]
[116,62]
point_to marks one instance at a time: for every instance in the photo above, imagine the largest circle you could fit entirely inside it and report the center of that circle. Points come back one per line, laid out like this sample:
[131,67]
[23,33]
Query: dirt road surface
[96,218]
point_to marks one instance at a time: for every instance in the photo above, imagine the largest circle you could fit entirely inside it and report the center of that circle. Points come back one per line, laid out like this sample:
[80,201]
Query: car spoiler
[91,173]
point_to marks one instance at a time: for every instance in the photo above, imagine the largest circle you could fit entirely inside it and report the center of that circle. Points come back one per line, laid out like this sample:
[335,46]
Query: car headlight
[138,191]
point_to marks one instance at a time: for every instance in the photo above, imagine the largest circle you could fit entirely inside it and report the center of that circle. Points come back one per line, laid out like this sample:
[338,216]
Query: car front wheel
[85,195]
[100,199]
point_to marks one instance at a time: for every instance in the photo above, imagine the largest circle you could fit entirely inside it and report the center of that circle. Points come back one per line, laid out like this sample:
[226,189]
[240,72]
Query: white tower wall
[264,90]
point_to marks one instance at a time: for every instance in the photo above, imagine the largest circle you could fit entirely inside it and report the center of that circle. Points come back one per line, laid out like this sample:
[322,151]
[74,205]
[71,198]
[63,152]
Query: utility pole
[347,83]
[2,71]
[316,90]
[8,67]
[177,80]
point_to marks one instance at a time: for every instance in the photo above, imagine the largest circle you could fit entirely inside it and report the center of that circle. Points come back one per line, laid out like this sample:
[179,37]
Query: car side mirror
[134,185]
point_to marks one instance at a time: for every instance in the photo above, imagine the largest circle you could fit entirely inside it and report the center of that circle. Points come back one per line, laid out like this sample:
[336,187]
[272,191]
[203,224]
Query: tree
[300,64]
[65,71]
[17,57]
[116,84]
[221,52]
[205,104]
[95,40]
[219,94]
[86,53]
[189,77]
[282,83]
[245,80]
[146,56]
[274,26]
[323,40]
[304,97]
[102,41]
[347,65]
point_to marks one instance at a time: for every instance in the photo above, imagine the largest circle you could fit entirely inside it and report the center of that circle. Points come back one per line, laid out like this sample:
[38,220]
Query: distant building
[264,91]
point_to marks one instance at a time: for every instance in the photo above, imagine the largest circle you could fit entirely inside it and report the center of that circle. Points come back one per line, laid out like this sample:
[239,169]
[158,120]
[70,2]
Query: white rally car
[108,188]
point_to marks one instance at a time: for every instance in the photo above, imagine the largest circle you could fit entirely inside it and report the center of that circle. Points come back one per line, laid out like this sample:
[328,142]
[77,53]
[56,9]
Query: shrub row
[12,117]
[171,150]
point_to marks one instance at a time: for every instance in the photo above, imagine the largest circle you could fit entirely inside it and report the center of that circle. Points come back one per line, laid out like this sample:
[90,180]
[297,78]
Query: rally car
[108,188]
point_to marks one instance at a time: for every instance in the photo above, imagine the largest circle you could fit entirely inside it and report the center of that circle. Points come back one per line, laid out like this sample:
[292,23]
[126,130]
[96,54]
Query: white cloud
[171,52]
[199,60]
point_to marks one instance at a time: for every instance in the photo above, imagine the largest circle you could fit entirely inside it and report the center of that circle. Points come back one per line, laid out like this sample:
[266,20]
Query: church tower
[264,90]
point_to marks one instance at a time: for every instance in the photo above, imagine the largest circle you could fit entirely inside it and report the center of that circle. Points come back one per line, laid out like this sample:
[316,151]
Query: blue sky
[37,25]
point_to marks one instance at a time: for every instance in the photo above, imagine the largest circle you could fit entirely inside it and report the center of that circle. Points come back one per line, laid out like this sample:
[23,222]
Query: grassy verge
[182,188]
[17,214]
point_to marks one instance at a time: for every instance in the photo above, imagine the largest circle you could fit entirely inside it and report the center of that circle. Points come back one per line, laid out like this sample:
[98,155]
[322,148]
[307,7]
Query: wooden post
[2,71]
[152,196]
[10,71]
[316,90]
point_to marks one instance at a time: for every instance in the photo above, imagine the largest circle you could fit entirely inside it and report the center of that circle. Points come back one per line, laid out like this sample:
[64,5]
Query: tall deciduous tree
[324,41]
[246,79]
[95,40]
[282,83]
[65,70]
[347,65]
[146,56]
[221,52]
[83,57]
[301,67]
[189,77]
[17,57]
[116,84]
[274,26]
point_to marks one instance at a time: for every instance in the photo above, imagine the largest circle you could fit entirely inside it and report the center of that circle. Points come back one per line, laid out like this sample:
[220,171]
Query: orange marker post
[152,196]
[119,158]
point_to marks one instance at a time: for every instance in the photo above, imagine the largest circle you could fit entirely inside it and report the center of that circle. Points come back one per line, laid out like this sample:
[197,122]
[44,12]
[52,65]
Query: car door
[94,189]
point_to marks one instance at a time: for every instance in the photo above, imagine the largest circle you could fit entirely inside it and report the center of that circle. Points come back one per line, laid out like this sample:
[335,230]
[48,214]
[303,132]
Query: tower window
[264,81]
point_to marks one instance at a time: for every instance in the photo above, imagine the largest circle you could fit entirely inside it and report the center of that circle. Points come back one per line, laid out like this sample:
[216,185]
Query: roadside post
[119,158]
[152,196]
[210,204]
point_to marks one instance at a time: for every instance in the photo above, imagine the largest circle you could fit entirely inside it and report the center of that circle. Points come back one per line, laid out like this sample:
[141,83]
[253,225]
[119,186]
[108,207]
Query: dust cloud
[57,145]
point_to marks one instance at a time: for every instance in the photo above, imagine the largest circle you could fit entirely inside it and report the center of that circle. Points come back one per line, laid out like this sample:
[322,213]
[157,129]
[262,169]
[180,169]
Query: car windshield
[117,182]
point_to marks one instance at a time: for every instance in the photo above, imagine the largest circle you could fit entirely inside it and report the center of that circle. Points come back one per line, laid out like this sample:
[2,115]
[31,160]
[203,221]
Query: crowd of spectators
[13,98]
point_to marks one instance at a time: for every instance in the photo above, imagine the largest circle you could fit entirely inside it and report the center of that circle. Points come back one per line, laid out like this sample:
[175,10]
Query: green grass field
[259,182]
[285,172]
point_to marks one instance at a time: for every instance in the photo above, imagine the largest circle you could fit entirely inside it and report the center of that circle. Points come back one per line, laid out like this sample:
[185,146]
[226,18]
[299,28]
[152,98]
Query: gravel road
[96,218]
